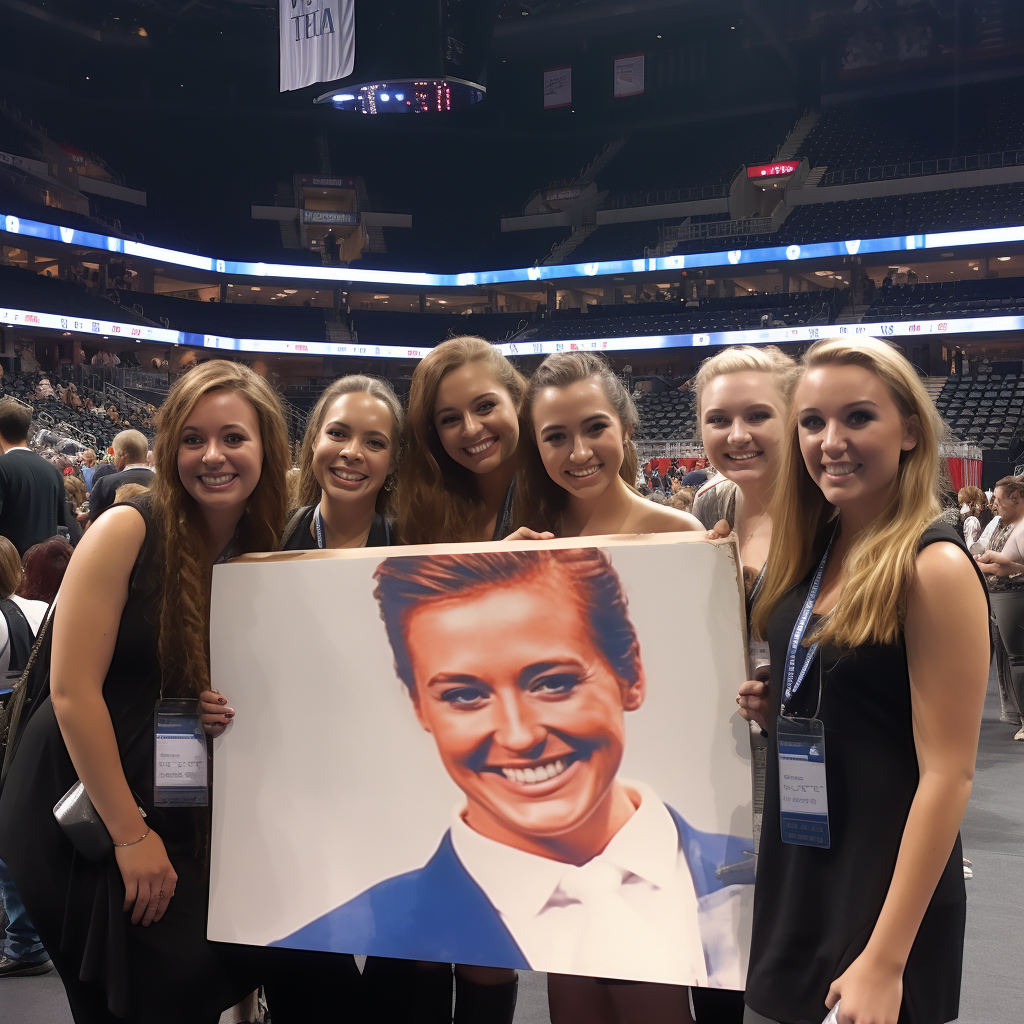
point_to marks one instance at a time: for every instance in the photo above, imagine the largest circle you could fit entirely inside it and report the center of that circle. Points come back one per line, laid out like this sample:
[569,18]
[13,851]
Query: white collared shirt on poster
[631,912]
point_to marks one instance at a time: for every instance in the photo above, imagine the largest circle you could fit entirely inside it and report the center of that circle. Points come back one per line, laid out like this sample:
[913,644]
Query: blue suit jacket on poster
[439,913]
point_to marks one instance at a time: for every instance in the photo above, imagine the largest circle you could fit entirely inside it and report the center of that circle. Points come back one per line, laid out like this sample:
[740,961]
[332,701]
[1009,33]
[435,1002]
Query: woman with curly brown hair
[128,932]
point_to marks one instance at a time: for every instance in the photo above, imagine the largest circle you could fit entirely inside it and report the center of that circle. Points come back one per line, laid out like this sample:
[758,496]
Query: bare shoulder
[114,540]
[944,564]
[662,519]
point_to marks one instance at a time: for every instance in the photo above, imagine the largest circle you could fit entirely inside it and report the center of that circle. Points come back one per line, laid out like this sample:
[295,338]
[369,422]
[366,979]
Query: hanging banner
[629,75]
[318,41]
[557,87]
[487,708]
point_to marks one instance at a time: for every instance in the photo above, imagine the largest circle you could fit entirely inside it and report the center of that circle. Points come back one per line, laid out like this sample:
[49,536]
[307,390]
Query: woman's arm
[947,644]
[86,621]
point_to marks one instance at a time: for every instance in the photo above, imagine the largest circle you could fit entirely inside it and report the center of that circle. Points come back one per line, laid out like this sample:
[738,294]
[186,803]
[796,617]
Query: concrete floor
[993,838]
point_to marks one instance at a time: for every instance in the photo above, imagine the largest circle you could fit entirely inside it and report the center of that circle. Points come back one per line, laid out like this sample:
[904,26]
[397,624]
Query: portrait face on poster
[515,755]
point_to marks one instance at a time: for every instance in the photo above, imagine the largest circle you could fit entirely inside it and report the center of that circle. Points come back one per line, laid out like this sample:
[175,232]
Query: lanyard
[318,529]
[793,680]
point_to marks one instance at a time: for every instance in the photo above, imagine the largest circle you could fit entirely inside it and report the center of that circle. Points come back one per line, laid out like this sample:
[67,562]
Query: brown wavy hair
[186,575]
[356,383]
[539,500]
[437,498]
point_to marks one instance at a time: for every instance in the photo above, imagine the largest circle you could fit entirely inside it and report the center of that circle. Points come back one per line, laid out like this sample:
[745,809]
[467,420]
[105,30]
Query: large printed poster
[511,754]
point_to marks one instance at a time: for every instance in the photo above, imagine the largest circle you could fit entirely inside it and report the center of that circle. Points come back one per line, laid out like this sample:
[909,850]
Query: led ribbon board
[773,335]
[348,275]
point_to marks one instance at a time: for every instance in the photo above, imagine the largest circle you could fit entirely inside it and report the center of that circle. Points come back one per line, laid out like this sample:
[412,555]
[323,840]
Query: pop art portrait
[522,670]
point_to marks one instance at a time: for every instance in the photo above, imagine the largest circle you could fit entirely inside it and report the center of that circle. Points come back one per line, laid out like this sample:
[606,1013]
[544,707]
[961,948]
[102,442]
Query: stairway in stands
[794,140]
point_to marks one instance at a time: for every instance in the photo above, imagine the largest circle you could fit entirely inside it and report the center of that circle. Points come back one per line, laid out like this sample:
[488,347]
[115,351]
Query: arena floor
[993,836]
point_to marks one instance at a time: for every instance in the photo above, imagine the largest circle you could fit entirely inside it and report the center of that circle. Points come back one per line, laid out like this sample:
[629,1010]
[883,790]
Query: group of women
[830,473]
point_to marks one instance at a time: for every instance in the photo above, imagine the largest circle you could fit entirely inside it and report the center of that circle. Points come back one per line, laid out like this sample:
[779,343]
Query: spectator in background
[88,467]
[975,511]
[682,499]
[131,450]
[31,490]
[23,953]
[44,566]
[74,498]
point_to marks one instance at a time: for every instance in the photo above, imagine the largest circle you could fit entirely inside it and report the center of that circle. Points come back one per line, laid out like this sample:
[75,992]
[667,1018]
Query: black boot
[485,1004]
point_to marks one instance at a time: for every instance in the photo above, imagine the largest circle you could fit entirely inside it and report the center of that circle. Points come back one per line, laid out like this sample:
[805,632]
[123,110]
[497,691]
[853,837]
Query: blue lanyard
[793,679]
[318,529]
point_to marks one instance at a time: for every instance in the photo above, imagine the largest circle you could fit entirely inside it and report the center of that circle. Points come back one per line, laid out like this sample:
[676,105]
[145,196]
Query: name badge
[757,655]
[180,768]
[803,795]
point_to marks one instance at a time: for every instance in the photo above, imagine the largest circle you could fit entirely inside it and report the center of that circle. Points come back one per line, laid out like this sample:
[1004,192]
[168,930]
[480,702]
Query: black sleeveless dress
[814,910]
[165,973]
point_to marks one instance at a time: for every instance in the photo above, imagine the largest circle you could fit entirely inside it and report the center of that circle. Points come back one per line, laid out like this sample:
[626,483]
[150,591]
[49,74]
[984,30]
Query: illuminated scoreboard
[775,170]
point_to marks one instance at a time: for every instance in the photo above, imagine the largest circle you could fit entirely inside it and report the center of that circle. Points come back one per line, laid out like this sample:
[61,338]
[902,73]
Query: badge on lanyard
[180,774]
[803,794]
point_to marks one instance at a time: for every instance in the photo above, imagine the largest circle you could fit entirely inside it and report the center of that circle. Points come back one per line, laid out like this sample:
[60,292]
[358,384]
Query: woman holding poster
[127,932]
[878,628]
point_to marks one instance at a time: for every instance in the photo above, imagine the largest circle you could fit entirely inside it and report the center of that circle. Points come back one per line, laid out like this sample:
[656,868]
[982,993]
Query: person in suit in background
[130,452]
[31,490]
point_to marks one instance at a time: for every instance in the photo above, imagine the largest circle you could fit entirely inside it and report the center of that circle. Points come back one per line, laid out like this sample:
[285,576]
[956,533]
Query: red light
[773,170]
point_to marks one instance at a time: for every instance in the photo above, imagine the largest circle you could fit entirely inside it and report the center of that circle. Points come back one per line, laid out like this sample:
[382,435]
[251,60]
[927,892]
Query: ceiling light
[342,97]
[1002,259]
[254,289]
[290,291]
[444,302]
[380,296]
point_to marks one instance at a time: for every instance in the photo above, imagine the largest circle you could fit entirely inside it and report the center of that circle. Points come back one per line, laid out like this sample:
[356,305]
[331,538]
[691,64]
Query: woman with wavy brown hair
[462,438]
[128,932]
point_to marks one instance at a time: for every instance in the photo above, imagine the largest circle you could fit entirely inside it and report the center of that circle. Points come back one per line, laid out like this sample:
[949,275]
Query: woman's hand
[753,698]
[214,712]
[871,992]
[719,531]
[525,533]
[149,879]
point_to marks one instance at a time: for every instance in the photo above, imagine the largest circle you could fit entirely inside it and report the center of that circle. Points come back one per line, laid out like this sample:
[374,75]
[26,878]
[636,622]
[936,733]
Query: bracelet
[134,841]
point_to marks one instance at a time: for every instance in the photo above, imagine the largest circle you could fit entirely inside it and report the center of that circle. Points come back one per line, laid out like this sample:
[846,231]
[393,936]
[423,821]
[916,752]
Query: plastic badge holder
[833,1015]
[180,769]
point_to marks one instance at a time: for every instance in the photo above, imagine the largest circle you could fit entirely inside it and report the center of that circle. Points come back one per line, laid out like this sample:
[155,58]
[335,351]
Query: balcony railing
[919,168]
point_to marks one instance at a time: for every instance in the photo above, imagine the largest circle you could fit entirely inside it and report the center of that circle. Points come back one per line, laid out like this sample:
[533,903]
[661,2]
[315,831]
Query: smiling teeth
[482,447]
[216,481]
[844,470]
[528,776]
[580,474]
[740,457]
[341,474]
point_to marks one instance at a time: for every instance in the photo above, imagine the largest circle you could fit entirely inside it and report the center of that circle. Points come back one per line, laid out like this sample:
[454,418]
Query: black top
[814,909]
[104,490]
[31,499]
[299,536]
[166,973]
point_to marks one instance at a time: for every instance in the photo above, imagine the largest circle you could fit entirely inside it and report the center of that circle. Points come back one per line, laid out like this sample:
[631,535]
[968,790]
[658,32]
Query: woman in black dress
[875,913]
[128,934]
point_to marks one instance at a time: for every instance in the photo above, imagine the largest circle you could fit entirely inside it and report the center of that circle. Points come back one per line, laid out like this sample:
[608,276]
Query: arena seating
[924,127]
[953,299]
[24,289]
[668,415]
[984,409]
[382,327]
[735,314]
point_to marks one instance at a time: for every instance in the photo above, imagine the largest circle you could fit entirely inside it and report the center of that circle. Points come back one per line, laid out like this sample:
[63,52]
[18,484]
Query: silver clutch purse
[82,824]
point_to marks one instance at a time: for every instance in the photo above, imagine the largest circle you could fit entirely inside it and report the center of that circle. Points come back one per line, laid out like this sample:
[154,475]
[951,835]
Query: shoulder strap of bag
[10,720]
[20,633]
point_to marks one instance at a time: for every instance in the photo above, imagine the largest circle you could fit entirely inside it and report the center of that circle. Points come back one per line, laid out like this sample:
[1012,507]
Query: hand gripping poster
[510,754]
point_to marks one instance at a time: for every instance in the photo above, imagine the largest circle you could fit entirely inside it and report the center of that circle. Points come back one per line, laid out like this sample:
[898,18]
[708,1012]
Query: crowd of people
[869,622]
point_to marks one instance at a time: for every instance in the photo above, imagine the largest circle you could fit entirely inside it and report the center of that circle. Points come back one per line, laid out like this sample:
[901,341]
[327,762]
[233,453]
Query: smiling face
[580,437]
[742,419]
[528,719]
[851,436]
[220,453]
[475,418]
[353,452]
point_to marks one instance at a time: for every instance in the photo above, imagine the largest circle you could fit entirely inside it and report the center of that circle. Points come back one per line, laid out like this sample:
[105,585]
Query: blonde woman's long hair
[539,500]
[309,491]
[437,499]
[881,564]
[186,573]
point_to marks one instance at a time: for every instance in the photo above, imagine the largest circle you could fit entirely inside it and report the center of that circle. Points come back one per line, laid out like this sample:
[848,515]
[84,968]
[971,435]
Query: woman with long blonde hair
[131,626]
[877,623]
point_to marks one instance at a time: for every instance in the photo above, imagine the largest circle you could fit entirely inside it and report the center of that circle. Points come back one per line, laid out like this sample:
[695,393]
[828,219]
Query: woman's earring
[388,480]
